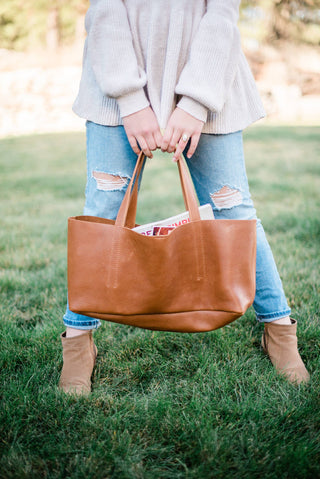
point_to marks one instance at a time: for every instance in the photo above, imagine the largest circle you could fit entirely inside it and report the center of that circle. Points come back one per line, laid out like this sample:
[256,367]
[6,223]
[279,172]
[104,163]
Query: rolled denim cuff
[268,318]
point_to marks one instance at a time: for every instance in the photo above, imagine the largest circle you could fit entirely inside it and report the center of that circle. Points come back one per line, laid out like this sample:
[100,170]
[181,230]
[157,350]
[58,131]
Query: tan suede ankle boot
[280,343]
[79,356]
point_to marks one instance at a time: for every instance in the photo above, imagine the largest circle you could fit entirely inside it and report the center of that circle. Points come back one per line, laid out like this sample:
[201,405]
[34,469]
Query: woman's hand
[181,127]
[142,127]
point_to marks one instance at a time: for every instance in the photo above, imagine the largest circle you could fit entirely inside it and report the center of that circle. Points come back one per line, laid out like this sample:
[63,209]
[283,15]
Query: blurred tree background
[271,21]
[29,24]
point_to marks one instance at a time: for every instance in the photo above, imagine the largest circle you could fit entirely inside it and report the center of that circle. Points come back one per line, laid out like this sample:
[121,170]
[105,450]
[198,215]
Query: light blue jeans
[219,175]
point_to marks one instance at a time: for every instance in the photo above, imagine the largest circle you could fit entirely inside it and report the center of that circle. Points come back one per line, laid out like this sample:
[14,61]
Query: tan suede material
[79,355]
[280,343]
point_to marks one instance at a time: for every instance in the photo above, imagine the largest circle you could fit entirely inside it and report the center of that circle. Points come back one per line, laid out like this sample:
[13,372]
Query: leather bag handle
[131,217]
[127,212]
[132,211]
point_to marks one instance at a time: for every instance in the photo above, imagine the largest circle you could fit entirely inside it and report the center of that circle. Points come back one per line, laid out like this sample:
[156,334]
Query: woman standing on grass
[175,65]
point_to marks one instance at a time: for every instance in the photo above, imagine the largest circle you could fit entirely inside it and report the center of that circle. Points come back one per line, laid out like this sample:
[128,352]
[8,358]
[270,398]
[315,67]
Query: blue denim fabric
[219,175]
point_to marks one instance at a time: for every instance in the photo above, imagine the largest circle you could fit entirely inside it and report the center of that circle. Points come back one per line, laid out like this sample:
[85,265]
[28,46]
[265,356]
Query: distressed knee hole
[108,182]
[226,197]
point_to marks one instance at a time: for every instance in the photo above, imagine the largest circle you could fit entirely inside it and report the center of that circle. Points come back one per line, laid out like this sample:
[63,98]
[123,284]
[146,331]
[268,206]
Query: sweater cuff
[193,108]
[132,102]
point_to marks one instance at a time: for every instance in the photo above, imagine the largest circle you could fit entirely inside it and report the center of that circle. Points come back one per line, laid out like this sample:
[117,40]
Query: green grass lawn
[164,405]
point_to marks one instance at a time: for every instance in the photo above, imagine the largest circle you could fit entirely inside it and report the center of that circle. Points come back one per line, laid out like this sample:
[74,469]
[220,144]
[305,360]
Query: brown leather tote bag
[198,278]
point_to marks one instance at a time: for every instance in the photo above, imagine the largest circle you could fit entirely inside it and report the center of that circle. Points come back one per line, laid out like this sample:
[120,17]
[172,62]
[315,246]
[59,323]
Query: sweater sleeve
[112,56]
[213,60]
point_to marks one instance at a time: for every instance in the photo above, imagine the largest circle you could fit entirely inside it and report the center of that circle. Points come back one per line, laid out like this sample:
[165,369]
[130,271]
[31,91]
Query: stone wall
[34,100]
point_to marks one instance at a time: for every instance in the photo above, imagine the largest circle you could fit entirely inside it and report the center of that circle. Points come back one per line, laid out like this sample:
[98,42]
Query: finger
[180,147]
[178,151]
[157,138]
[193,144]
[151,143]
[166,138]
[133,144]
[144,146]
[174,140]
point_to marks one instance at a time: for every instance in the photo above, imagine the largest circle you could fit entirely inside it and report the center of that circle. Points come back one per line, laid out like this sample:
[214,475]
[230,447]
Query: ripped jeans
[219,176]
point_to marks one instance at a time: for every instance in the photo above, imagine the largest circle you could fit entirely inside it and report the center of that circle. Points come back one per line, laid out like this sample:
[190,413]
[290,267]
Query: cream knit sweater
[165,53]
